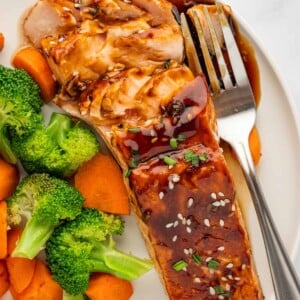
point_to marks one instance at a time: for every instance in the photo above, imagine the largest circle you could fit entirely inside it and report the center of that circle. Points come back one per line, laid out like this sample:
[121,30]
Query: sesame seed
[197,280]
[222,203]
[227,287]
[180,216]
[171,185]
[170,167]
[206,222]
[77,5]
[190,202]
[229,266]
[243,266]
[66,8]
[224,278]
[230,276]
[169,225]
[191,251]
[183,221]
[52,43]
[208,259]
[174,239]
[237,278]
[212,291]
[175,178]
[152,132]
[233,207]
[226,200]
[213,195]
[221,194]
[127,1]
[221,248]
[188,230]
[186,251]
[184,269]
[176,223]
[220,297]
[61,39]
[161,195]
[188,222]
[216,203]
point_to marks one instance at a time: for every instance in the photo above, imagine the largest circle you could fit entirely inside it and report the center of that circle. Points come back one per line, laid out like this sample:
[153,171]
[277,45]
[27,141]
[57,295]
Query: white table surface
[276,25]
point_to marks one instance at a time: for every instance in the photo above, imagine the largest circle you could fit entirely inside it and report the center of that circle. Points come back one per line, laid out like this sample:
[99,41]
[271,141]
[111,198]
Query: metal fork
[236,114]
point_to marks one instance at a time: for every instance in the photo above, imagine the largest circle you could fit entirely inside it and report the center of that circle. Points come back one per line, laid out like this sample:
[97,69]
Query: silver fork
[236,114]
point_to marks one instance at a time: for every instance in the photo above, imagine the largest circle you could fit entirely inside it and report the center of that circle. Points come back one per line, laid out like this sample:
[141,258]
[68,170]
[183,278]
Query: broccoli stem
[5,148]
[67,296]
[58,126]
[33,238]
[108,259]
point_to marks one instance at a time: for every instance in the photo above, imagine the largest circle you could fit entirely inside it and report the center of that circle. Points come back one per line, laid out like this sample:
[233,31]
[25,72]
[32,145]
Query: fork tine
[234,54]
[224,72]
[213,78]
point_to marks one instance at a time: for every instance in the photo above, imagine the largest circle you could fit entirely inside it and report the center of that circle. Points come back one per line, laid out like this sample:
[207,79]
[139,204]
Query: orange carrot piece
[100,181]
[18,266]
[31,60]
[108,287]
[4,283]
[42,286]
[2,40]
[3,229]
[255,145]
[9,178]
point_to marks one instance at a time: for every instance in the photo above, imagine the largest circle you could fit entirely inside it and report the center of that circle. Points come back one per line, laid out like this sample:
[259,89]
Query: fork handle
[284,276]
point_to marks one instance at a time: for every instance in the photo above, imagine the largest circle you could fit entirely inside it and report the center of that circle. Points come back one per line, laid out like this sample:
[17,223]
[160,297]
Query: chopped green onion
[173,143]
[133,162]
[134,151]
[197,258]
[134,130]
[227,294]
[213,264]
[180,138]
[127,173]
[167,64]
[203,157]
[219,289]
[179,265]
[195,160]
[188,155]
[169,161]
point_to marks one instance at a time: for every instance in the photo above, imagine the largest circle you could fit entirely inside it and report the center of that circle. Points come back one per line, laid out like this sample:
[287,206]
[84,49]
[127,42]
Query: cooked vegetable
[58,149]
[20,106]
[9,178]
[3,229]
[44,202]
[18,266]
[31,60]
[1,41]
[108,287]
[42,286]
[100,181]
[4,282]
[85,245]
[255,145]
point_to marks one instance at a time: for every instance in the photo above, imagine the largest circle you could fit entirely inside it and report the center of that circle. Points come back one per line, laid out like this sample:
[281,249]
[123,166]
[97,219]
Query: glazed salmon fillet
[158,120]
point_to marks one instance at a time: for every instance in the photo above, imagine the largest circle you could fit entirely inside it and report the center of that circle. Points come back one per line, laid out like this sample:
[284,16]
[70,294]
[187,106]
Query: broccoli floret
[43,202]
[58,149]
[85,245]
[20,106]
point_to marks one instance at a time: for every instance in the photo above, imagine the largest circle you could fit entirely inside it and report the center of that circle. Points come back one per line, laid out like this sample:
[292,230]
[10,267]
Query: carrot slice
[108,287]
[255,145]
[3,229]
[1,41]
[42,286]
[4,283]
[100,181]
[20,269]
[9,178]
[31,60]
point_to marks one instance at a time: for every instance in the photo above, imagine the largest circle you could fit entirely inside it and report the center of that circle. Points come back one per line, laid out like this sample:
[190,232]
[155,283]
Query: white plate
[278,170]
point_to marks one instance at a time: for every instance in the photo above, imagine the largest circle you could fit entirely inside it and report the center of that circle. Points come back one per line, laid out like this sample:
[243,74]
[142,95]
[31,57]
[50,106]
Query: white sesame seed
[183,221]
[226,200]
[161,195]
[237,278]
[61,39]
[221,248]
[184,269]
[243,266]
[209,258]
[176,223]
[175,178]
[212,291]
[224,278]
[221,194]
[169,225]
[66,8]
[229,266]
[174,239]
[170,167]
[206,222]
[186,251]
[213,195]
[222,202]
[188,230]
[230,276]
[190,202]
[188,222]
[216,203]
[220,297]
[152,132]
[180,216]
[76,5]
[127,1]
[197,280]
[222,223]
[52,43]
[233,207]
[227,287]
[171,185]
[191,251]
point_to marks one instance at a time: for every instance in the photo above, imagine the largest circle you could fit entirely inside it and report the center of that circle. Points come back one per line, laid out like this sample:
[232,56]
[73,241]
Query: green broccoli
[20,107]
[58,149]
[85,245]
[44,202]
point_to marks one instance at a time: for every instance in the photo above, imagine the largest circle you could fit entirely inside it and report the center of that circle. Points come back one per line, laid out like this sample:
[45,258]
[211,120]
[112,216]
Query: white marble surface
[276,25]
